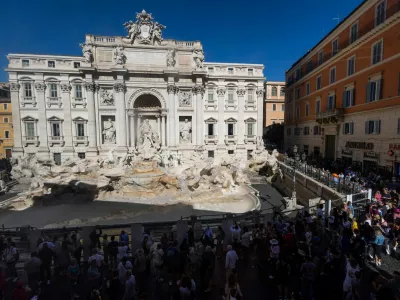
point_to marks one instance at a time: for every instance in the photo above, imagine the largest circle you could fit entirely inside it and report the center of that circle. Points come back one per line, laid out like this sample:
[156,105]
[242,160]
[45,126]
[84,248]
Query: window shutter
[368,96]
[366,127]
[379,88]
[353,97]
[352,127]
[344,128]
[344,99]
[378,126]
[327,102]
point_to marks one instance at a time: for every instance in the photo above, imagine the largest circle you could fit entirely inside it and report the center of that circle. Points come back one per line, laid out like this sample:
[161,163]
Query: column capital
[14,87]
[172,89]
[221,92]
[158,116]
[119,87]
[198,89]
[241,92]
[90,86]
[40,87]
[260,92]
[65,87]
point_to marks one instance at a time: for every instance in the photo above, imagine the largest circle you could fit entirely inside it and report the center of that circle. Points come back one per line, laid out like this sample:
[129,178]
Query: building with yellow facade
[6,125]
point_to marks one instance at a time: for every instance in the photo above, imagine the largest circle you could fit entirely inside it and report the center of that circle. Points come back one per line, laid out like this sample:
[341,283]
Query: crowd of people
[321,256]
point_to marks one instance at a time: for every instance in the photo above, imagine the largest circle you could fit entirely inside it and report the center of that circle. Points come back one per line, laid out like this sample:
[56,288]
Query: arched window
[274,91]
[282,91]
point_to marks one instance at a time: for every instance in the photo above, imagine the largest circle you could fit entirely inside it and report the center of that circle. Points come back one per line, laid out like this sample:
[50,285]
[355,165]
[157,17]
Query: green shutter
[368,96]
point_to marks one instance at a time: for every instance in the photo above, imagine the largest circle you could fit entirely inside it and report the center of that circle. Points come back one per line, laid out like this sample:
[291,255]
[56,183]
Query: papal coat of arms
[144,30]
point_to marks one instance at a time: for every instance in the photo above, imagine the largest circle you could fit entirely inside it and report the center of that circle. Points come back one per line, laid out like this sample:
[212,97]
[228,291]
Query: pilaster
[221,121]
[172,132]
[67,128]
[119,91]
[40,88]
[199,91]
[92,133]
[241,126]
[14,90]
[260,103]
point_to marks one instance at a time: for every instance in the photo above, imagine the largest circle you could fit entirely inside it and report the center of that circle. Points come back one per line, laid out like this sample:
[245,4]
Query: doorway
[330,147]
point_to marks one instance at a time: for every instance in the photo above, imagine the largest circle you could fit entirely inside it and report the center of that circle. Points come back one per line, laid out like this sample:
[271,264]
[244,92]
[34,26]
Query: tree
[274,135]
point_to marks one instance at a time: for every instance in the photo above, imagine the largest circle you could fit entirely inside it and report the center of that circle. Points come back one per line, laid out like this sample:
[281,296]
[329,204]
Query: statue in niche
[186,132]
[185,99]
[146,134]
[87,52]
[171,58]
[198,57]
[119,55]
[106,98]
[109,132]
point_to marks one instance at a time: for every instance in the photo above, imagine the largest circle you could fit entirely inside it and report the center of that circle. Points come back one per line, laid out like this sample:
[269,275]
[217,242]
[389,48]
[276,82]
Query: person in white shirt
[124,266]
[235,230]
[230,261]
[49,244]
[130,286]
[97,257]
[122,251]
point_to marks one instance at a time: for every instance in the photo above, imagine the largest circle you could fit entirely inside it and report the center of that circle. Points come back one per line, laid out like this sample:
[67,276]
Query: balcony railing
[54,101]
[211,103]
[56,139]
[230,139]
[28,100]
[211,139]
[31,139]
[250,104]
[78,139]
[78,101]
[250,139]
[330,116]
[230,104]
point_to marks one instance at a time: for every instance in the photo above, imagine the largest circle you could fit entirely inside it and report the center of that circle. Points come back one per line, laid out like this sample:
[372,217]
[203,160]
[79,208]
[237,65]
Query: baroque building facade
[140,92]
[274,102]
[6,124]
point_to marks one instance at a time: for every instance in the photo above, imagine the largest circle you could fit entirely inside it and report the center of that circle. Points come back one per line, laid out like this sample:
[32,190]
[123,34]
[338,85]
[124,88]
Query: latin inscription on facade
[146,58]
[360,145]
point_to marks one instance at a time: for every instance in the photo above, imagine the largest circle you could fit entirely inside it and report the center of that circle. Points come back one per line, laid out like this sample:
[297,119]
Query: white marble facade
[126,91]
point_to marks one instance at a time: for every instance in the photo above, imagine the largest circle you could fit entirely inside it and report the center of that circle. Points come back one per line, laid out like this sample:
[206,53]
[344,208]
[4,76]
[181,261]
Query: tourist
[98,258]
[171,259]
[140,267]
[11,257]
[377,245]
[157,259]
[207,268]
[130,286]
[124,238]
[232,285]
[19,292]
[106,250]
[63,258]
[274,249]
[32,269]
[124,266]
[76,247]
[351,269]
[282,277]
[307,270]
[207,238]
[187,287]
[220,240]
[378,196]
[46,255]
[93,276]
[73,271]
[95,238]
[246,239]
[114,287]
[230,261]
[113,251]
[122,251]
[49,244]
[235,231]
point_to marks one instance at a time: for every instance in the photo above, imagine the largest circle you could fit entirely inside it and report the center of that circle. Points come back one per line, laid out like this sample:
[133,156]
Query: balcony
[330,116]
[250,105]
[230,104]
[250,139]
[211,103]
[211,139]
[31,139]
[230,139]
[78,101]
[28,100]
[54,101]
[81,140]
[56,140]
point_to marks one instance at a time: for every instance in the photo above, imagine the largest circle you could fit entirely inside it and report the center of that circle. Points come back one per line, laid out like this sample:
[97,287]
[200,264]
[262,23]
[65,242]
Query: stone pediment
[211,120]
[29,118]
[250,120]
[230,120]
[79,119]
[54,118]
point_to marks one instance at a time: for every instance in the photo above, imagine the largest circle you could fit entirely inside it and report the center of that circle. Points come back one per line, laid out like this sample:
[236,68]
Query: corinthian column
[199,91]
[172,90]
[260,94]
[119,90]
[18,132]
[241,127]
[67,128]
[42,123]
[221,123]
[163,130]
[91,125]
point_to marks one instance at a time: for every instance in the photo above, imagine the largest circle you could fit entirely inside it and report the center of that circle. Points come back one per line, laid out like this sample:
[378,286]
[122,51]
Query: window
[335,47]
[288,131]
[53,90]
[377,50]
[80,129]
[57,158]
[210,154]
[8,153]
[348,128]
[348,97]
[307,109]
[51,64]
[274,91]
[307,88]
[30,129]
[55,129]
[230,129]
[298,93]
[331,102]
[230,95]
[282,92]
[309,66]
[305,149]
[283,107]
[373,127]
[250,96]
[298,73]
[332,75]
[274,107]
[380,13]
[351,65]
[297,131]
[320,57]
[319,83]
[297,112]
[250,129]
[6,134]
[78,92]
[231,152]
[81,155]
[28,90]
[374,90]
[316,130]
[318,106]
[306,130]
[250,72]
[5,120]
[76,66]
[5,106]
[230,70]
[25,62]
[353,33]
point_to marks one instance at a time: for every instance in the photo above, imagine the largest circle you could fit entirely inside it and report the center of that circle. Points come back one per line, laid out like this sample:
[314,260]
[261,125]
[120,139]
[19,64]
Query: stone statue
[132,29]
[198,57]
[171,58]
[260,143]
[185,98]
[119,55]
[109,132]
[87,52]
[146,134]
[106,98]
[186,132]
[157,32]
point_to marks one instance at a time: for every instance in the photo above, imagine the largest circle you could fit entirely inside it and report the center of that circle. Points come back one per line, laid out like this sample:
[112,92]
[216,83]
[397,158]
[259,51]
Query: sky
[273,33]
